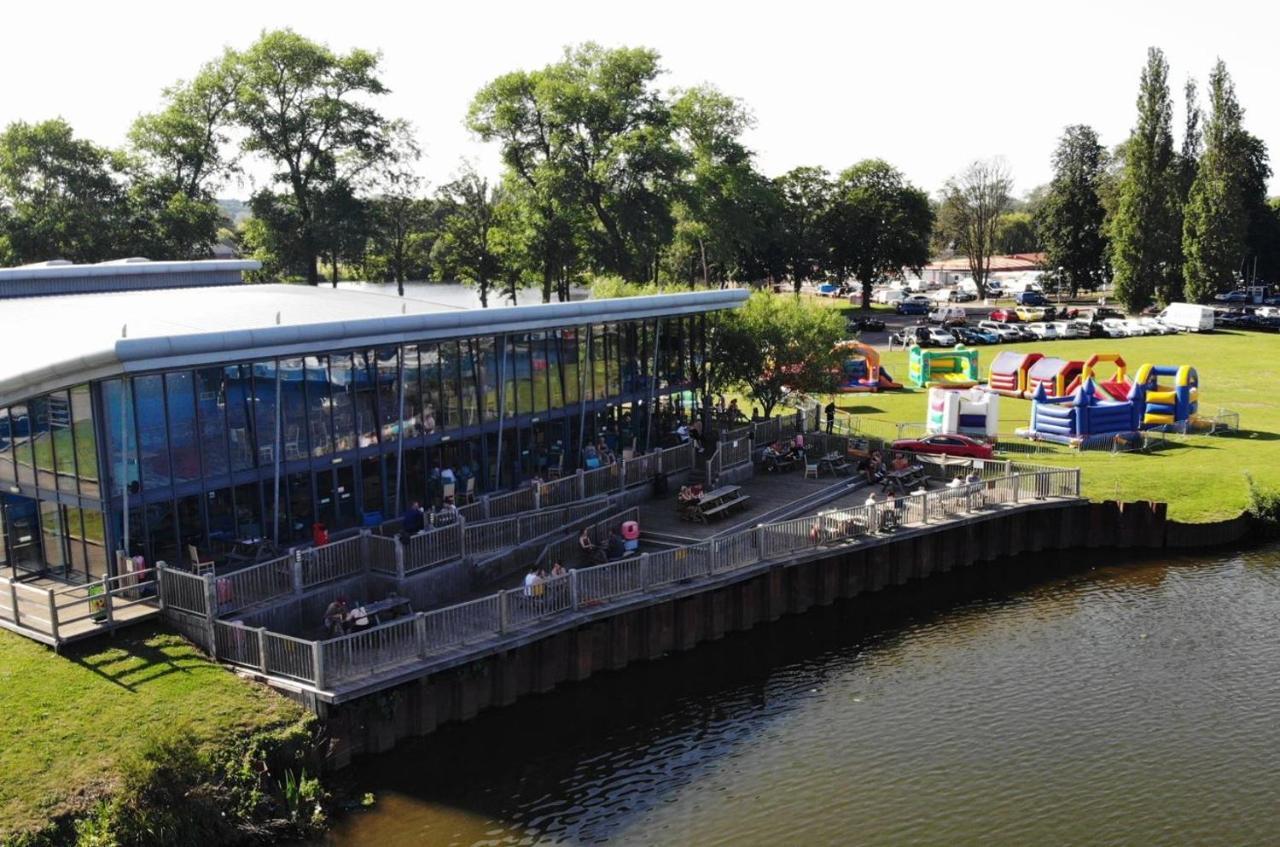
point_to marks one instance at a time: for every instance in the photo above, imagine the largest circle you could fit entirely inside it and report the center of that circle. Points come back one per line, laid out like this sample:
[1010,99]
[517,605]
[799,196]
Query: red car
[948,445]
[1004,316]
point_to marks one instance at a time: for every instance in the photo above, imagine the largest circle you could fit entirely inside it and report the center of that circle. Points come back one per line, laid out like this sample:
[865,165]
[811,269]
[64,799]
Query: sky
[928,86]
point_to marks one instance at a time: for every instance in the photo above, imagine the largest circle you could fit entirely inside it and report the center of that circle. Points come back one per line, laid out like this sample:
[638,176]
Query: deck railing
[254,584]
[326,664]
[332,561]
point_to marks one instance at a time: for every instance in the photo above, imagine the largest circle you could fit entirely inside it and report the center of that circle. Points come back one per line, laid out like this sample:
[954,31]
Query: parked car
[1069,329]
[911,306]
[913,336]
[1156,327]
[941,337]
[1115,328]
[949,316]
[1002,332]
[1030,298]
[963,295]
[1043,331]
[1104,312]
[1137,327]
[1233,297]
[1029,313]
[947,445]
[865,323]
[1004,316]
[1189,316]
[975,335]
[1091,329]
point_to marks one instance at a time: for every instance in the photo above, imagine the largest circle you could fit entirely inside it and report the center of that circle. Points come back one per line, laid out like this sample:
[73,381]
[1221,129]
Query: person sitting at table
[447,514]
[414,521]
[606,455]
[686,500]
[557,570]
[899,463]
[335,618]
[771,457]
[695,435]
[591,553]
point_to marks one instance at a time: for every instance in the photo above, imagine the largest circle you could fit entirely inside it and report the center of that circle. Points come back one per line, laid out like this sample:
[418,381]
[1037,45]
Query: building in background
[227,413]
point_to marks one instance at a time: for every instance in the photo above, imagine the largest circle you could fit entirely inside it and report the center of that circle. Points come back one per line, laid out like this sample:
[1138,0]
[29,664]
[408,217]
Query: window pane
[264,393]
[342,397]
[488,374]
[248,512]
[86,442]
[319,425]
[301,508]
[538,366]
[468,363]
[162,533]
[238,390]
[507,374]
[412,392]
[153,443]
[42,441]
[293,391]
[190,528]
[7,471]
[64,451]
[449,385]
[365,399]
[522,362]
[183,443]
[117,448]
[388,393]
[220,512]
[51,528]
[211,401]
[95,543]
[429,356]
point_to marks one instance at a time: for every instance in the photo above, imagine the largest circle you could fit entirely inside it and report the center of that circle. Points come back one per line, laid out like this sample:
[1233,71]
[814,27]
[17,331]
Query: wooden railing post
[504,615]
[262,649]
[210,613]
[420,633]
[317,663]
[160,569]
[53,614]
[106,597]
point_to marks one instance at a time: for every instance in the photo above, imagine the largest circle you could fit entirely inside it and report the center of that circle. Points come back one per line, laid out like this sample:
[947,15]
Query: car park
[947,445]
[1233,297]
[1002,332]
[1043,331]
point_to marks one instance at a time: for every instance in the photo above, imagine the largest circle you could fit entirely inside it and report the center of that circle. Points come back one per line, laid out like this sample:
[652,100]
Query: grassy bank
[78,726]
[1203,479]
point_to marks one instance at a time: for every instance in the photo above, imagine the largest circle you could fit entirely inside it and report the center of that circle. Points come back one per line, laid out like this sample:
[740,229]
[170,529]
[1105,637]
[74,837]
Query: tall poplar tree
[1145,239]
[1070,220]
[1216,220]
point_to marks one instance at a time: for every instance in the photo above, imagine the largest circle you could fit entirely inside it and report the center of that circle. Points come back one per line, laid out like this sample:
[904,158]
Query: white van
[1189,316]
[888,296]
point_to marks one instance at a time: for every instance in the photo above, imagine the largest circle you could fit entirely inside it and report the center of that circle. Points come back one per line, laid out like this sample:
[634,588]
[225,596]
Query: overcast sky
[929,86]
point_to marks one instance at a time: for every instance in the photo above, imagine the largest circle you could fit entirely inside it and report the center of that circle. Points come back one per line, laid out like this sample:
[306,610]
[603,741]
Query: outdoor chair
[810,468]
[199,566]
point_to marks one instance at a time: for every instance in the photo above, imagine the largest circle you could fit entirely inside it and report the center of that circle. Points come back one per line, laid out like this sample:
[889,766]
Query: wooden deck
[73,616]
[769,493]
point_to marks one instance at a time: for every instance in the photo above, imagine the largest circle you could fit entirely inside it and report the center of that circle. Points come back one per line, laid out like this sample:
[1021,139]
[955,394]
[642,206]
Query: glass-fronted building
[218,415]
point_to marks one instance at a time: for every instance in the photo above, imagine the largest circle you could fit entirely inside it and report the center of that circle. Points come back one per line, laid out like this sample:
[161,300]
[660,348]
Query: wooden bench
[725,507]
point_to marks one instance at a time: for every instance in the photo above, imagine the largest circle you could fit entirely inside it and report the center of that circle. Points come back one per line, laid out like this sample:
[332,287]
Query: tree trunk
[335,268]
[702,250]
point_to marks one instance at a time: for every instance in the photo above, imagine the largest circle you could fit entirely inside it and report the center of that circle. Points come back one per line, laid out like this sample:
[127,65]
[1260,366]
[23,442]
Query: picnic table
[372,612]
[906,480]
[714,503]
[834,463]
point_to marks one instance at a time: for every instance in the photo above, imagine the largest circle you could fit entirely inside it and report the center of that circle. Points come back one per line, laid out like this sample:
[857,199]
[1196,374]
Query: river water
[1040,702]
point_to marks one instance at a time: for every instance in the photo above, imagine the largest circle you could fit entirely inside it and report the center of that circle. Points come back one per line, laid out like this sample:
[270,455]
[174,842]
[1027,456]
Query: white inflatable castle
[969,411]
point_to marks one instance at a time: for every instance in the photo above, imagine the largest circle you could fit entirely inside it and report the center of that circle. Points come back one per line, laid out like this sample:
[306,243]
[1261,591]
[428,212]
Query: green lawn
[1203,480]
[67,720]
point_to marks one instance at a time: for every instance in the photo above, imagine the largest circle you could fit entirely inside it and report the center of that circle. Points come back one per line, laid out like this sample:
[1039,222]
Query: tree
[1016,233]
[1216,219]
[1071,218]
[876,224]
[63,195]
[1146,252]
[973,203]
[303,108]
[590,140]
[775,344]
[805,195]
[467,248]
[1262,238]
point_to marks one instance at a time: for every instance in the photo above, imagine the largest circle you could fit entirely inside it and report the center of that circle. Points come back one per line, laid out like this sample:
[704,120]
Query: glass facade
[217,455]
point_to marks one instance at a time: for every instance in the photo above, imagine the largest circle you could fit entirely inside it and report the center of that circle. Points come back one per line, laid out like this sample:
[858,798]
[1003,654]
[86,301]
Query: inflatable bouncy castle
[861,370]
[965,412]
[1008,374]
[1173,393]
[955,368]
[1071,418]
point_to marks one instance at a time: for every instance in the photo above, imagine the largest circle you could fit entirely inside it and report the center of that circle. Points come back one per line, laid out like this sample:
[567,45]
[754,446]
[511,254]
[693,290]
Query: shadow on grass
[861,410]
[136,660]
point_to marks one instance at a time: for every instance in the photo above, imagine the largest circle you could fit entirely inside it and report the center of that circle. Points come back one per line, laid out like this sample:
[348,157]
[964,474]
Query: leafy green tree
[1146,251]
[343,225]
[805,195]
[972,205]
[590,139]
[63,195]
[875,225]
[467,249]
[1071,218]
[1016,233]
[305,110]
[775,344]
[1216,219]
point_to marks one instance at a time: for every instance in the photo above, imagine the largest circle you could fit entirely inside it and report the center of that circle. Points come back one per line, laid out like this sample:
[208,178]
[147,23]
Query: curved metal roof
[52,342]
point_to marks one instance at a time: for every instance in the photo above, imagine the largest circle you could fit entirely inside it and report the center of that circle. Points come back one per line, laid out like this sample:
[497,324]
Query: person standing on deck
[831,416]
